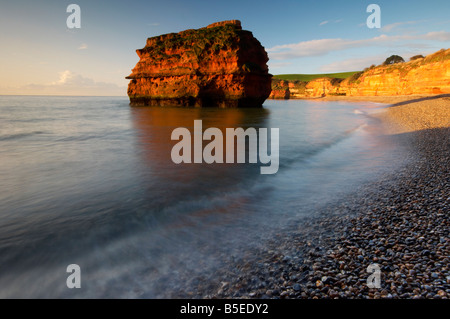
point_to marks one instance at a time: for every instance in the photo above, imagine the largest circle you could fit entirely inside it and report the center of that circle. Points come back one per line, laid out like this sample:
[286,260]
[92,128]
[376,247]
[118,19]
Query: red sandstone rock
[280,89]
[430,75]
[220,65]
[322,87]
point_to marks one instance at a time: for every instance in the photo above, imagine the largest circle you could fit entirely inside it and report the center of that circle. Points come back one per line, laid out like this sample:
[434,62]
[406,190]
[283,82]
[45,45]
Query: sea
[89,181]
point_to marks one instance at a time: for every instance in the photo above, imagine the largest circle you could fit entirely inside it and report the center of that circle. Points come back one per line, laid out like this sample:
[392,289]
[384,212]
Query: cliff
[429,75]
[219,65]
[280,89]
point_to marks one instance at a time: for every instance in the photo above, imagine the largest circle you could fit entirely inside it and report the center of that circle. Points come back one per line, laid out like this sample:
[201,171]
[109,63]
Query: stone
[219,65]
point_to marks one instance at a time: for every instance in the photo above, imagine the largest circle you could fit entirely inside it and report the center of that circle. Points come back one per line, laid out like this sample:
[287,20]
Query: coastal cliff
[429,75]
[219,65]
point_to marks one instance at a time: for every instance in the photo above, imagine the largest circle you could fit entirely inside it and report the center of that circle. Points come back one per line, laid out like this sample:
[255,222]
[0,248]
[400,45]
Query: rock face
[220,65]
[280,90]
[322,87]
[429,75]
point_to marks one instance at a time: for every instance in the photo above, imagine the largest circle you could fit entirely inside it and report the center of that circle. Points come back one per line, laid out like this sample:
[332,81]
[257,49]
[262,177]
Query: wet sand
[409,113]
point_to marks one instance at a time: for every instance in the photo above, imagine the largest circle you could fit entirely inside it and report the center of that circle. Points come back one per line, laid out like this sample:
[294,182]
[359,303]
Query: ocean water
[90,181]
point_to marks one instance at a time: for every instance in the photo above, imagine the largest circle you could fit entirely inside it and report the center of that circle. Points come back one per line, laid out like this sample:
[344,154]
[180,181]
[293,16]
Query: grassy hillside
[309,77]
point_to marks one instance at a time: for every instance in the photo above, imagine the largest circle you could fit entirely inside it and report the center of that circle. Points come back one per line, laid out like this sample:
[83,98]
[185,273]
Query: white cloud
[83,46]
[352,64]
[279,64]
[306,48]
[323,46]
[358,64]
[64,77]
[392,26]
[438,35]
[328,21]
[69,83]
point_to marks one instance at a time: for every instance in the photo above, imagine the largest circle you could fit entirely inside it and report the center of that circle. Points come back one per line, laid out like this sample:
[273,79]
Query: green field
[309,77]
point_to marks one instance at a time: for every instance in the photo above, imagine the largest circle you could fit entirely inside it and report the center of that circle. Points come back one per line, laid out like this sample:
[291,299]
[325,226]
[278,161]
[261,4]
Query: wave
[305,153]
[78,138]
[19,135]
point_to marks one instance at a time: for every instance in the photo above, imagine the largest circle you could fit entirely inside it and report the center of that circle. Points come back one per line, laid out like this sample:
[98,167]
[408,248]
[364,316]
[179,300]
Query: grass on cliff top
[309,77]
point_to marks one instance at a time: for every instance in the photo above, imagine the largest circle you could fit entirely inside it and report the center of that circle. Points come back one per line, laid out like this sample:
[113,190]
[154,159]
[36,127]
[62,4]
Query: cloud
[70,83]
[392,26]
[83,46]
[358,64]
[306,48]
[279,64]
[64,77]
[352,64]
[324,46]
[328,21]
[438,35]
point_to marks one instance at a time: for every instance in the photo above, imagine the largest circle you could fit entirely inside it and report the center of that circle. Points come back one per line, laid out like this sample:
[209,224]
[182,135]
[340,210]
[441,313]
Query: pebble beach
[400,224]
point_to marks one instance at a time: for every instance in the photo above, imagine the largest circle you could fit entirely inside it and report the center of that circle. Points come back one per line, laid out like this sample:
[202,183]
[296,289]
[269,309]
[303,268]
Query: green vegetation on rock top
[197,40]
[309,77]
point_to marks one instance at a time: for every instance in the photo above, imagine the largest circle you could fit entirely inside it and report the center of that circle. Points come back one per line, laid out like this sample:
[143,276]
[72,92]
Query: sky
[39,54]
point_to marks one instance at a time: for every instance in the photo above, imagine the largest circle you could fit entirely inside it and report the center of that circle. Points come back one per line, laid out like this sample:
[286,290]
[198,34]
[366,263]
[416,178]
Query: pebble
[401,222]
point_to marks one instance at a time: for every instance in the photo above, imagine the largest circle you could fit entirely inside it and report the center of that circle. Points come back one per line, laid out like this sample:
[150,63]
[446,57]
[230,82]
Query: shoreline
[399,222]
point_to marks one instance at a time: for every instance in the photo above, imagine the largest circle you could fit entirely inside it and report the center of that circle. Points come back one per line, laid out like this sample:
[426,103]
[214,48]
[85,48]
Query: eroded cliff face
[429,75]
[280,90]
[323,87]
[220,65]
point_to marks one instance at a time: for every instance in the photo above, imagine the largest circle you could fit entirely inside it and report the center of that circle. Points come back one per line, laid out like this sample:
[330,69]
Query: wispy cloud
[83,46]
[358,64]
[329,21]
[353,64]
[69,83]
[438,35]
[392,26]
[323,46]
[279,64]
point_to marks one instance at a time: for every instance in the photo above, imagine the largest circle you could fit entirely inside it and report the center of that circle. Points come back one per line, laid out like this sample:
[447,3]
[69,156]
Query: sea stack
[220,65]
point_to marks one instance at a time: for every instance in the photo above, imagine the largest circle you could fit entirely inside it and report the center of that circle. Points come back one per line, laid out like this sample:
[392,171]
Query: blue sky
[40,55]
